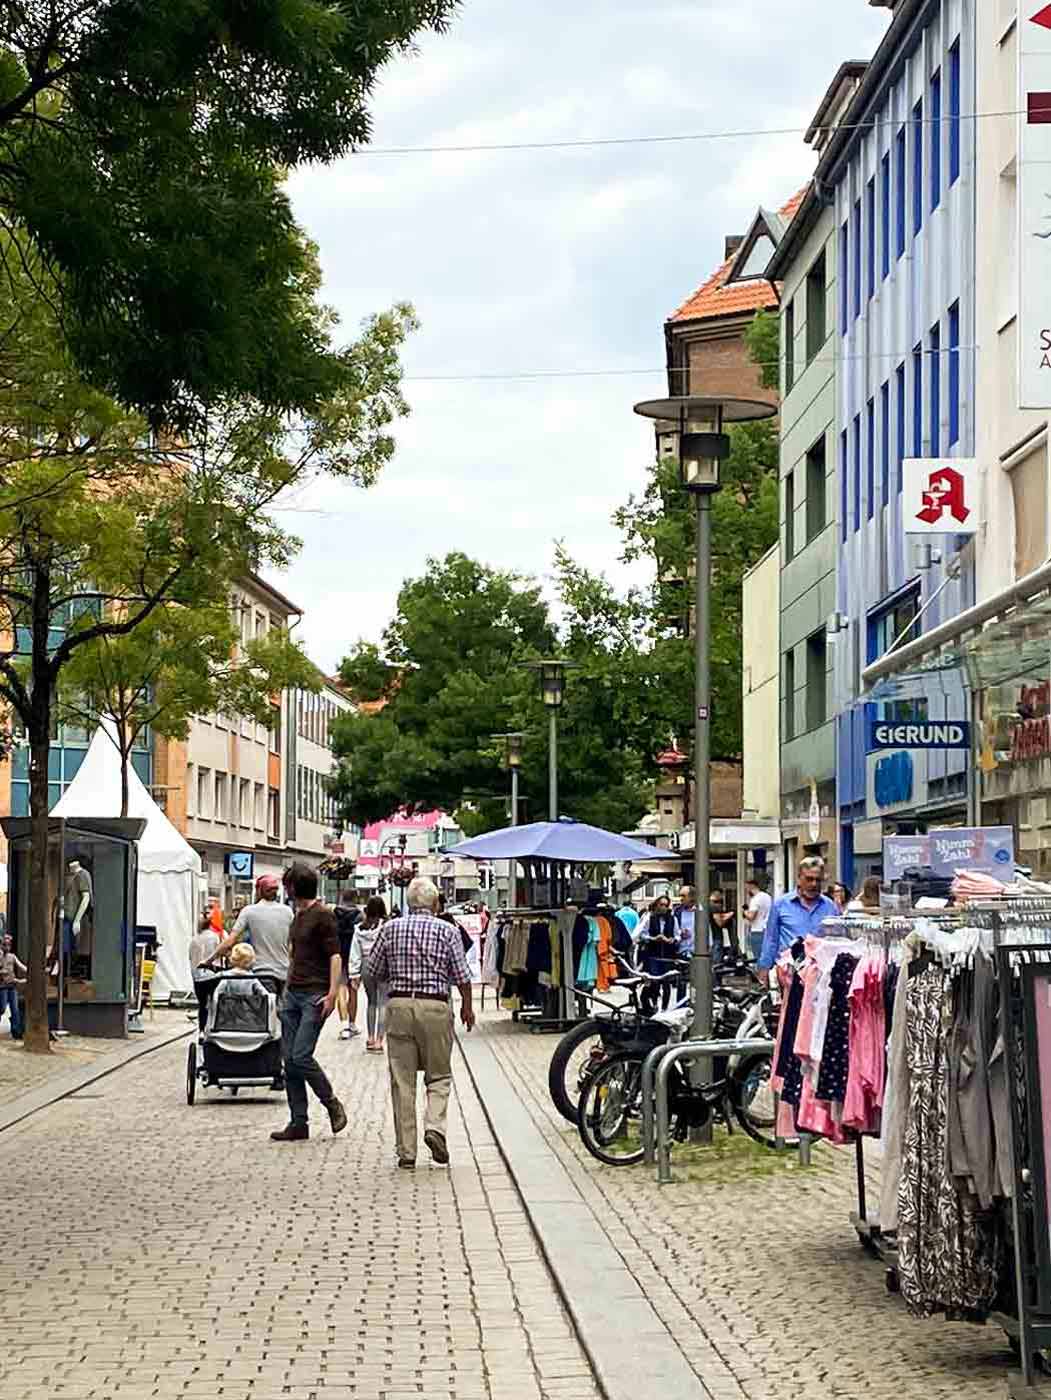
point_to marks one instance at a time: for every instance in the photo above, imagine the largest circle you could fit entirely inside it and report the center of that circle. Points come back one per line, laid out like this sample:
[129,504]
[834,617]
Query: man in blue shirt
[795,915]
[686,918]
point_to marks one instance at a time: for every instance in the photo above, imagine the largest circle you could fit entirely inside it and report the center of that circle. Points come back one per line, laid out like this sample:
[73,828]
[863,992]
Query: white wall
[761,682]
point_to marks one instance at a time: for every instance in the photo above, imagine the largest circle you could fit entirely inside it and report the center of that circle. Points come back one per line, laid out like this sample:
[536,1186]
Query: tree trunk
[124,760]
[37,1034]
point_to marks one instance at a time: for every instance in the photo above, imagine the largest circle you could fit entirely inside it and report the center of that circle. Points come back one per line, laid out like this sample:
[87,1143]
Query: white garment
[202,947]
[360,947]
[760,905]
[490,976]
[895,1108]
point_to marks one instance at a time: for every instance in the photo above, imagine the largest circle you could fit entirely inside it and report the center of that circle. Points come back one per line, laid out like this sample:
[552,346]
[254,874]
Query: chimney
[733,242]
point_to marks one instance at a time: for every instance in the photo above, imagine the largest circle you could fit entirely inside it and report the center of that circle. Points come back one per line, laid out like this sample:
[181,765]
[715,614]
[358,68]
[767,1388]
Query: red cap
[266,883]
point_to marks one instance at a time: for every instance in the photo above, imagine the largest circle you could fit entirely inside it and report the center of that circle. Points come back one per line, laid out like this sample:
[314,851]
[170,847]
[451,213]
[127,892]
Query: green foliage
[144,153]
[763,341]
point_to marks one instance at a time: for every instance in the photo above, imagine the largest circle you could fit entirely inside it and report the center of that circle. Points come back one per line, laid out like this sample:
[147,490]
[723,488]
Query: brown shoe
[295,1132]
[408,1163]
[436,1144]
[337,1115]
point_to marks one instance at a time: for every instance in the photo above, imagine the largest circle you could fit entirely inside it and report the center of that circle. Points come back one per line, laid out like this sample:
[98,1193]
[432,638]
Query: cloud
[541,260]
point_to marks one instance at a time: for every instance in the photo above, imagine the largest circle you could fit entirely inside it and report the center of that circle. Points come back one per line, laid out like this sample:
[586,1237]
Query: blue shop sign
[919,734]
[240,864]
[893,780]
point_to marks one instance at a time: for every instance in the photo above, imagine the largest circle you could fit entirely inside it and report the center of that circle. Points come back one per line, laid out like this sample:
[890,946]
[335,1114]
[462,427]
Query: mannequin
[78,901]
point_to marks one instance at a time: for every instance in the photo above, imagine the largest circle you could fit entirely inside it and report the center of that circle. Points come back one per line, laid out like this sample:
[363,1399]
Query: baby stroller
[240,1046]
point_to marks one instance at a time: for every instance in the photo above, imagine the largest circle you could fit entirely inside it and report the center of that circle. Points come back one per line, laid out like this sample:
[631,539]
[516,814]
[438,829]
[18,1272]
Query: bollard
[649,1073]
[688,1050]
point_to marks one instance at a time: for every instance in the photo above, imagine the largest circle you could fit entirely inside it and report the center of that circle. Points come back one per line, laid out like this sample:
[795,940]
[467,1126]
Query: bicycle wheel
[610,1113]
[753,1098]
[576,1055]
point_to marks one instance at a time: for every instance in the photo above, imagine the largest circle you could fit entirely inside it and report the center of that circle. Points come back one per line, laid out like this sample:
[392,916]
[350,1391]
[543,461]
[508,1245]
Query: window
[884,453]
[220,797]
[790,516]
[899,390]
[870,459]
[244,800]
[843,491]
[884,629]
[204,794]
[259,811]
[1029,492]
[870,217]
[954,374]
[191,790]
[857,472]
[816,681]
[917,401]
[844,279]
[857,259]
[917,167]
[885,198]
[815,489]
[790,694]
[954,113]
[899,174]
[275,728]
[273,819]
[936,390]
[816,296]
[790,346]
[936,139]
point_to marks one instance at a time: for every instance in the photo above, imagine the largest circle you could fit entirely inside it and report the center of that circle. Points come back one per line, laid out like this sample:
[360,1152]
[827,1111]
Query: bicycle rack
[662,1063]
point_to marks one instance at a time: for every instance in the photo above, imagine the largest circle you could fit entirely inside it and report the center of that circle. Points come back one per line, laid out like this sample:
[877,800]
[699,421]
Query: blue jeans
[9,999]
[756,940]
[300,1027]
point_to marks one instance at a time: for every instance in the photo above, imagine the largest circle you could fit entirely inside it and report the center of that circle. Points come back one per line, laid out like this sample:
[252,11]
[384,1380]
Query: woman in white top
[365,935]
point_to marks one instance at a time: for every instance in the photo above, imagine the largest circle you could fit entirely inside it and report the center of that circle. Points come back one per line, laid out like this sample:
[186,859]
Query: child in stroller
[240,1046]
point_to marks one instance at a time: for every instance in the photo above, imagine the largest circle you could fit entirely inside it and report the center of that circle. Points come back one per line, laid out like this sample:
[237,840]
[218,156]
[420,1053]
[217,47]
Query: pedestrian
[628,916]
[756,914]
[203,948]
[686,918]
[720,928]
[657,939]
[446,917]
[348,916]
[365,935]
[12,976]
[868,899]
[264,926]
[420,957]
[839,895]
[314,971]
[795,915]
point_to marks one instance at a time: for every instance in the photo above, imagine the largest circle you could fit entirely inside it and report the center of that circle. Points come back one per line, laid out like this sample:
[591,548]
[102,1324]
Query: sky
[550,260]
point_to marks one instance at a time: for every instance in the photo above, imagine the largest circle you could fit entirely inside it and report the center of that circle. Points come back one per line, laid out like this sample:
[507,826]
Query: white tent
[169,868]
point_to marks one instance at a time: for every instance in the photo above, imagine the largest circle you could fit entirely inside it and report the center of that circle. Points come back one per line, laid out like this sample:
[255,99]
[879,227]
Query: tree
[763,342]
[179,662]
[103,527]
[144,147]
[452,675]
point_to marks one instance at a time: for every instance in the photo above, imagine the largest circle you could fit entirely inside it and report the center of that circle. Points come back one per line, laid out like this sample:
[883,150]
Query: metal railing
[656,1068]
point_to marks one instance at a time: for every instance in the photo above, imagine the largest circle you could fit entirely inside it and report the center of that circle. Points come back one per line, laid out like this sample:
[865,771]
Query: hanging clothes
[588,968]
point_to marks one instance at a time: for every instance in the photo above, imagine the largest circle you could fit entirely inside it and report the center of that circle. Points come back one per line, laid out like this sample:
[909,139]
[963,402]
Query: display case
[92,874]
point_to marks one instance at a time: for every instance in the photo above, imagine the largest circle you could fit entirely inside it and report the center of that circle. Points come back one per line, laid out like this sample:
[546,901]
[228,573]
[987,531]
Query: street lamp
[513,761]
[552,689]
[446,874]
[697,422]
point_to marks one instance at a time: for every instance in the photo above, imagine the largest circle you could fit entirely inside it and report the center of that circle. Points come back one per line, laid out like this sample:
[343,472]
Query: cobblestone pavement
[759,1276]
[20,1073]
[157,1250]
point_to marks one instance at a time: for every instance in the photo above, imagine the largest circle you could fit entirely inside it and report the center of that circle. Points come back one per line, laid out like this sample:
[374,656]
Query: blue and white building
[900,173]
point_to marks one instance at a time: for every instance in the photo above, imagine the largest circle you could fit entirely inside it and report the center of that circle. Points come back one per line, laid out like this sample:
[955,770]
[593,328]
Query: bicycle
[609,1115]
[626,1028]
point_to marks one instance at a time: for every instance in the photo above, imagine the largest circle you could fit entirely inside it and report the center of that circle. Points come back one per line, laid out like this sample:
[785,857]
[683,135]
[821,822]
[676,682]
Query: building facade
[313,829]
[759,688]
[901,177]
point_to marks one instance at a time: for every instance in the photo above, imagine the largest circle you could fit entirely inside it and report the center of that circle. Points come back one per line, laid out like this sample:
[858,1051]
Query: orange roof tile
[714,298]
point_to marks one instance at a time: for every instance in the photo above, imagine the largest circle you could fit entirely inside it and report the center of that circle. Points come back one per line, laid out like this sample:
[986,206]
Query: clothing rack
[566,1012]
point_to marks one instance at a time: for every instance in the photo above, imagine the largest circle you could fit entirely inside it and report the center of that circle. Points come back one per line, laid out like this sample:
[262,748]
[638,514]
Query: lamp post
[697,423]
[552,673]
[513,759]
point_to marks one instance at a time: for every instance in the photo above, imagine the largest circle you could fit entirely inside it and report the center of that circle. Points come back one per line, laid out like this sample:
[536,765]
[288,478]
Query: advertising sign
[1034,206]
[986,848]
[940,494]
[926,734]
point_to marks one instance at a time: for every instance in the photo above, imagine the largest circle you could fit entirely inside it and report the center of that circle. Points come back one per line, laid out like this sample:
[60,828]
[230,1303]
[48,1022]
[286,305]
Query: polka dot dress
[835,1057]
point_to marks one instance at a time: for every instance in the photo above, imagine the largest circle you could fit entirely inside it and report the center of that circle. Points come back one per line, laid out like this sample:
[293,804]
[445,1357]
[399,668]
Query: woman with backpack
[365,936]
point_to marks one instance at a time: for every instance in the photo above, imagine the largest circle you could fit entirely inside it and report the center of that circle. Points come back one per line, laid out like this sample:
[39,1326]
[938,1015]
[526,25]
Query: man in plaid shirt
[421,958]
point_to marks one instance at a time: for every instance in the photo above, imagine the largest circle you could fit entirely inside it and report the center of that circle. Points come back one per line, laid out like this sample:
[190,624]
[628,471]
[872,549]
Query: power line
[582,143]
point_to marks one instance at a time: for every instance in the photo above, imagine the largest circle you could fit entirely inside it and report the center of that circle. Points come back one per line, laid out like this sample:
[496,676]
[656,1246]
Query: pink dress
[865,1077]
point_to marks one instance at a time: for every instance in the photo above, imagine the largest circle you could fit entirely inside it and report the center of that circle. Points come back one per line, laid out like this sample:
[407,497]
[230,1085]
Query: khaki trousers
[419,1037]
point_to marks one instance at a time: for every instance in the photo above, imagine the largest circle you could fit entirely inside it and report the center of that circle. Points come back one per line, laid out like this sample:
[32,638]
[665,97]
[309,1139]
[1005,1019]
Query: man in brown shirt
[310,994]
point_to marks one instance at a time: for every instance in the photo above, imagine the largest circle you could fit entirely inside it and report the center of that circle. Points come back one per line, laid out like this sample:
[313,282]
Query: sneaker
[337,1115]
[352,1031]
[407,1163]
[345,1033]
[294,1132]
[437,1147]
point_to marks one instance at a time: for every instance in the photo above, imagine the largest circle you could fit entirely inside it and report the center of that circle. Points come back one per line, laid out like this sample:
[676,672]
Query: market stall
[563,934]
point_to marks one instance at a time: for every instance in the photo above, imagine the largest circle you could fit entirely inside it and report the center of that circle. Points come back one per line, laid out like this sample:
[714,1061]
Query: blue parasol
[564,840]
